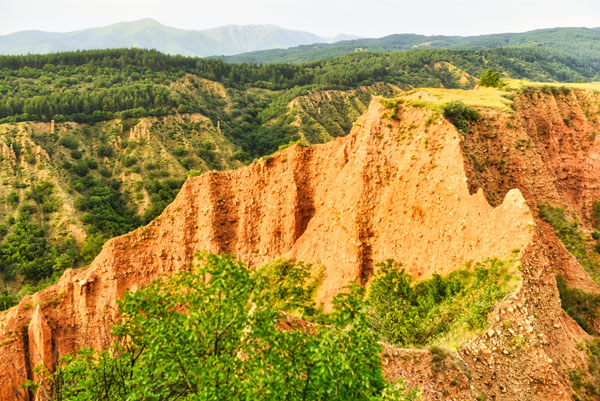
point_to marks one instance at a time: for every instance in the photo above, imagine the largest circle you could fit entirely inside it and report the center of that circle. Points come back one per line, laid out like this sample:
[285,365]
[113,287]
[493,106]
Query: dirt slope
[393,188]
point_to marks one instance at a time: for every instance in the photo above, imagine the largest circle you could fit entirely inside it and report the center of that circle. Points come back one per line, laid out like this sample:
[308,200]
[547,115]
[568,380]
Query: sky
[367,18]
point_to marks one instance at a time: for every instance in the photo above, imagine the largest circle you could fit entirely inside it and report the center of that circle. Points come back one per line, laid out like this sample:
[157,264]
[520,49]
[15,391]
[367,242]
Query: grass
[519,84]
[442,311]
[435,98]
[492,98]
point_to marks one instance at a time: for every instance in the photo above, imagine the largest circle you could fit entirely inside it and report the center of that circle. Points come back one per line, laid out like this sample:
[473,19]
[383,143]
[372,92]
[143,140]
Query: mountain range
[150,34]
[583,43]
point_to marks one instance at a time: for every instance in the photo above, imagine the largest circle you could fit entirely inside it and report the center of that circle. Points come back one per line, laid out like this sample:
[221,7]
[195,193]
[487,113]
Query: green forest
[580,43]
[92,86]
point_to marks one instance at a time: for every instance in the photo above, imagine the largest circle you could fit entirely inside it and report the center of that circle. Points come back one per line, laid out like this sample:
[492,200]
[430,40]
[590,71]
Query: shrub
[460,114]
[194,173]
[81,168]
[583,307]
[76,154]
[30,158]
[129,161]
[69,141]
[406,313]
[13,198]
[187,163]
[92,247]
[490,78]
[104,172]
[105,150]
[91,163]
[179,151]
[207,152]
[26,250]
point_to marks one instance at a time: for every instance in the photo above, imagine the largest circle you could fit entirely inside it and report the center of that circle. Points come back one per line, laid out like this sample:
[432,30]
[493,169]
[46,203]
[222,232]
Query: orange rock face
[391,189]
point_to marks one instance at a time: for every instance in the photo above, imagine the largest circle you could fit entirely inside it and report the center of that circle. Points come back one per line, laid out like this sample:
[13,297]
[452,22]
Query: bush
[460,114]
[76,154]
[207,152]
[596,215]
[187,163]
[91,163]
[179,151]
[129,161]
[13,199]
[69,141]
[105,150]
[92,247]
[490,78]
[406,313]
[290,286]
[81,168]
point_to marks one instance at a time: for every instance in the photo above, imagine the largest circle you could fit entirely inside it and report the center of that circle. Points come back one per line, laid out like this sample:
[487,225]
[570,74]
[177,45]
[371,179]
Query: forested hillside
[130,126]
[580,43]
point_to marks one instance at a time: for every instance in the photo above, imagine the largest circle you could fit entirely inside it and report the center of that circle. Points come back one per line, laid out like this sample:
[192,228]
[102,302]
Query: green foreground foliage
[439,311]
[212,334]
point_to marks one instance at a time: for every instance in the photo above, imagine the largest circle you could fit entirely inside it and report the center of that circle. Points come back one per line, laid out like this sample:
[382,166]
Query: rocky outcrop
[394,188]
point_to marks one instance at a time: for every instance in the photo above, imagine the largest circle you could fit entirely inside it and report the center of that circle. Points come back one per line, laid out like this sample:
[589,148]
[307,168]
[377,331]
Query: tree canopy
[193,337]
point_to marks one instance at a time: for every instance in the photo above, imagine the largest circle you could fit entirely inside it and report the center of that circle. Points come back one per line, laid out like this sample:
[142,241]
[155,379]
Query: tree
[212,334]
[491,79]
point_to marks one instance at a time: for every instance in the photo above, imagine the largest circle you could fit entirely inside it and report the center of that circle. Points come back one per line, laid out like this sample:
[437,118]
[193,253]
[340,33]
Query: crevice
[304,209]
[28,368]
[364,222]
[225,214]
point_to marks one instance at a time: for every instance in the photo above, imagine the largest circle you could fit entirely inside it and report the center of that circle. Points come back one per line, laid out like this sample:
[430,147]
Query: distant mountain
[583,43]
[150,34]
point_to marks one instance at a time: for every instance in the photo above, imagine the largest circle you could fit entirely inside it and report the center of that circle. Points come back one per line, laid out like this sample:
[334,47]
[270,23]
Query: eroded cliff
[394,188]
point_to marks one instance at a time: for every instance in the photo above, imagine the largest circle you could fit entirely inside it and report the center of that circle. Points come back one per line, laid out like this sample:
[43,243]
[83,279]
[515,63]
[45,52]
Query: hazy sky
[372,18]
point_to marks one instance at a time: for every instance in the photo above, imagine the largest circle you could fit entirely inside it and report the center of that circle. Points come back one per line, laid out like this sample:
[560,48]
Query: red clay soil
[391,189]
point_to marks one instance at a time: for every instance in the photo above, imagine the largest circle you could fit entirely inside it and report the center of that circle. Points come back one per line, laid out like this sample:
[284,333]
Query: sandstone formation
[406,188]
